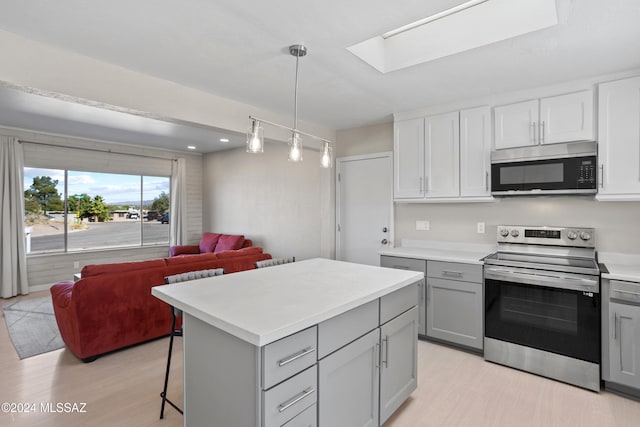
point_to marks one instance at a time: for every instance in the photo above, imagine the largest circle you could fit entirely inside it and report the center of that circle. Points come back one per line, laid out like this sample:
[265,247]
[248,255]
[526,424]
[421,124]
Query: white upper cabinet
[408,159]
[619,140]
[442,155]
[563,118]
[515,124]
[475,152]
[567,118]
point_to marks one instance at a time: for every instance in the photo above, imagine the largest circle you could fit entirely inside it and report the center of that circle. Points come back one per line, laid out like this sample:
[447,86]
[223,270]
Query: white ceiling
[238,50]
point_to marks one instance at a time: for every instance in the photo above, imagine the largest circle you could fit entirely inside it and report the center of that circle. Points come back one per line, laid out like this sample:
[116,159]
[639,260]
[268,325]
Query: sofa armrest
[61,293]
[184,250]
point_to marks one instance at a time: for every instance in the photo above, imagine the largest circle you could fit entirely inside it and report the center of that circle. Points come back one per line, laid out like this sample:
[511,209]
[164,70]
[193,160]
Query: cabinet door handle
[377,355]
[486,181]
[615,326]
[542,131]
[295,356]
[602,175]
[427,295]
[295,399]
[533,132]
[385,349]
[420,179]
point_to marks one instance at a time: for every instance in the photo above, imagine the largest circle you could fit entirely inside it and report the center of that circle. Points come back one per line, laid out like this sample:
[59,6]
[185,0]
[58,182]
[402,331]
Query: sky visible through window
[114,188]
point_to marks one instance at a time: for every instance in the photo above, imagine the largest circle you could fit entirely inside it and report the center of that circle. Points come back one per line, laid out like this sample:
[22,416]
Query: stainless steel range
[542,303]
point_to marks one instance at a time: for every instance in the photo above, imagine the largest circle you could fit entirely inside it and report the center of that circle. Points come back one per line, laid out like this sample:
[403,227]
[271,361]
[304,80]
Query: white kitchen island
[317,342]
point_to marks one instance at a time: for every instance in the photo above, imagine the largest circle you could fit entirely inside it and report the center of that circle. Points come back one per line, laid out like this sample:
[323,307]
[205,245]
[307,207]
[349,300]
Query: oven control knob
[585,236]
[515,233]
[504,232]
[572,235]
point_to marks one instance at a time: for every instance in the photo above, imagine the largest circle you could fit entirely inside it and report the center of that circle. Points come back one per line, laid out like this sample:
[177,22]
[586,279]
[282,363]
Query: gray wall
[285,207]
[617,224]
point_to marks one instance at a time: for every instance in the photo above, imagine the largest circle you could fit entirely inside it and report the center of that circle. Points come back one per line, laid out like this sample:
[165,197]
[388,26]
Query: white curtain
[13,260]
[177,212]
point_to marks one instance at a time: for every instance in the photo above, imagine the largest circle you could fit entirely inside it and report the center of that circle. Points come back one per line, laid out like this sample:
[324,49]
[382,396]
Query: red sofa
[111,306]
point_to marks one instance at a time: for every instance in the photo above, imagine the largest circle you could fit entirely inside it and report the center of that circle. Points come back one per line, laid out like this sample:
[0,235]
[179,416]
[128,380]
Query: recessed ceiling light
[191,147]
[224,139]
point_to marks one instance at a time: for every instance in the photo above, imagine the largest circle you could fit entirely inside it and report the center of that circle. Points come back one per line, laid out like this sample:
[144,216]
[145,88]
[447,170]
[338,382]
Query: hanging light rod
[288,128]
[255,138]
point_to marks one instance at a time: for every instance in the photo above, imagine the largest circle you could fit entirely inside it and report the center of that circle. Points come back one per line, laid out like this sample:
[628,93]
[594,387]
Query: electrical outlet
[481,228]
[76,264]
[423,225]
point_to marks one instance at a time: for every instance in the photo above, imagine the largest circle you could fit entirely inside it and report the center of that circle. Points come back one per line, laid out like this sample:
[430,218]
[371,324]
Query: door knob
[384,241]
[384,229]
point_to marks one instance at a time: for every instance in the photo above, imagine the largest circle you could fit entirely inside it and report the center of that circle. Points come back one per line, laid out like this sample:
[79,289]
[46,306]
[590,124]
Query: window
[70,210]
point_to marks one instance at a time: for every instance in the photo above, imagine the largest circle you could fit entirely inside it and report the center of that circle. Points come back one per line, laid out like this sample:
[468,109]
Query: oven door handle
[549,279]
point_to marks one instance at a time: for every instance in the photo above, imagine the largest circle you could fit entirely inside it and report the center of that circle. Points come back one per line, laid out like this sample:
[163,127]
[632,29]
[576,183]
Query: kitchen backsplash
[617,224]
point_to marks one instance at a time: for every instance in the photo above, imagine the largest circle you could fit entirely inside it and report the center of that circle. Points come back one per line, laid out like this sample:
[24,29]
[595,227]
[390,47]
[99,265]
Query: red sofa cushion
[120,267]
[208,242]
[186,259]
[240,252]
[229,242]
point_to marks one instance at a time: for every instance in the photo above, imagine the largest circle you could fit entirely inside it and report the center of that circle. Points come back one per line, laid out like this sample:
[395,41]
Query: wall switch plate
[481,228]
[423,225]
[76,264]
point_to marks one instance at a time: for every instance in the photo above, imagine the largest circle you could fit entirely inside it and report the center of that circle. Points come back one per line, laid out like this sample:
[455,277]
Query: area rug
[32,326]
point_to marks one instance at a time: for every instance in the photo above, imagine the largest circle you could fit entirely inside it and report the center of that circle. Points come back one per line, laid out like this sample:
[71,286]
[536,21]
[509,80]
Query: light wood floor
[455,388]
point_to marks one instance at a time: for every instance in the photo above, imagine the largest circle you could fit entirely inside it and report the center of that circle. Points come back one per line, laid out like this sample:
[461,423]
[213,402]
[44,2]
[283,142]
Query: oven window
[560,321]
[544,309]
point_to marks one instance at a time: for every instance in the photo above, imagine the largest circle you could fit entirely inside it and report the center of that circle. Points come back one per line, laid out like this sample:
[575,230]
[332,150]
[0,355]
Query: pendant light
[255,138]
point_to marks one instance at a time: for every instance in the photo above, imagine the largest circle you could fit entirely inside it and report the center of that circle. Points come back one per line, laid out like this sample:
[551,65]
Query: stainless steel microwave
[545,169]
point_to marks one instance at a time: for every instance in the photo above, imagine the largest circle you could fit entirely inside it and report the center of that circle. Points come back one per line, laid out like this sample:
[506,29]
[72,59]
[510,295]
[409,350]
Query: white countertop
[441,251]
[620,266]
[263,305]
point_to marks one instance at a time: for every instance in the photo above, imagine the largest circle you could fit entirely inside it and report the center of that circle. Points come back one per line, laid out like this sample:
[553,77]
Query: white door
[566,118]
[408,147]
[364,207]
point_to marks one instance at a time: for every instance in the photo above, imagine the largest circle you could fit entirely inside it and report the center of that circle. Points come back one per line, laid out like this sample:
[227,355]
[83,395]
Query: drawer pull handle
[296,356]
[452,273]
[401,267]
[295,399]
[626,292]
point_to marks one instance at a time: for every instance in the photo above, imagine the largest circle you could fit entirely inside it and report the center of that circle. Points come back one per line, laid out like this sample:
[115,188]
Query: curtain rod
[96,150]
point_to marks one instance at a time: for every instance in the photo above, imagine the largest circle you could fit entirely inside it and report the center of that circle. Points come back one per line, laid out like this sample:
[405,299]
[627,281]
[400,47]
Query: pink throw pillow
[208,242]
[228,242]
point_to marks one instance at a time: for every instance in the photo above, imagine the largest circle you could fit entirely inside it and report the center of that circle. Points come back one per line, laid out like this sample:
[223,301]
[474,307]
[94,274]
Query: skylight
[467,26]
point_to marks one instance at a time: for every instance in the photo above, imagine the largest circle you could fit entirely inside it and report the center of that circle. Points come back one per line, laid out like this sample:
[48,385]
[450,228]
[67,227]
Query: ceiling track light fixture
[255,137]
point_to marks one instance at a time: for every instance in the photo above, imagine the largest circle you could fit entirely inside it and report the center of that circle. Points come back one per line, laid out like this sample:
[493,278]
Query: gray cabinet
[413,265]
[364,382]
[621,334]
[455,303]
[348,381]
[398,362]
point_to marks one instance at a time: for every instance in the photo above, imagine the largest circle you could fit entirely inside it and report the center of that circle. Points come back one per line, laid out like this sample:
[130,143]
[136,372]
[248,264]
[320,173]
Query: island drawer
[306,418]
[455,271]
[403,263]
[288,399]
[346,327]
[398,302]
[288,356]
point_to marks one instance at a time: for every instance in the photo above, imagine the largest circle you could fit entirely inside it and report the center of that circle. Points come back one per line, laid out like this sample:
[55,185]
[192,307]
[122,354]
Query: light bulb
[295,148]
[254,138]
[326,159]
